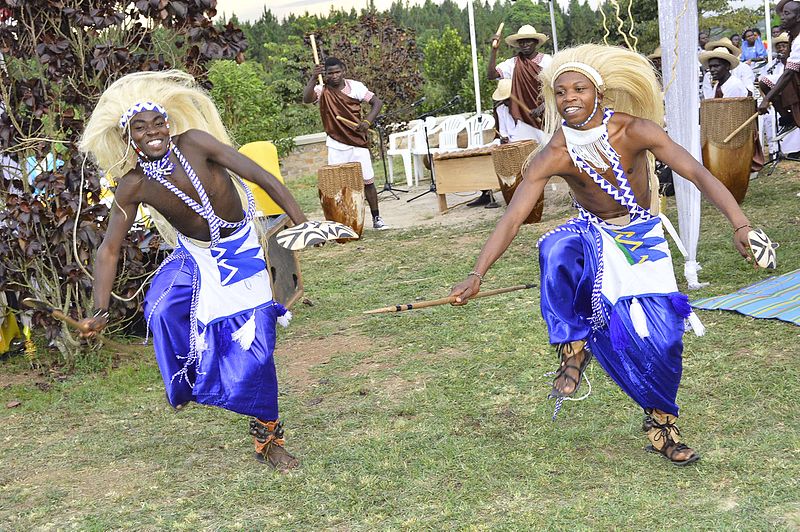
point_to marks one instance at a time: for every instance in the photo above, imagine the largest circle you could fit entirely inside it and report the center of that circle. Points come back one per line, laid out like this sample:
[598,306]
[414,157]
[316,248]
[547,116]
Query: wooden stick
[519,102]
[316,55]
[738,129]
[348,122]
[345,121]
[38,304]
[446,300]
[498,32]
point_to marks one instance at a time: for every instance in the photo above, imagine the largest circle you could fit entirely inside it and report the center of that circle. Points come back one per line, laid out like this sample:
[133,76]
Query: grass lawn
[431,419]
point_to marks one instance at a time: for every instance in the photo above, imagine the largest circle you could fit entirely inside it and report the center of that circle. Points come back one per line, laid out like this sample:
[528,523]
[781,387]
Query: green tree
[247,107]
[446,64]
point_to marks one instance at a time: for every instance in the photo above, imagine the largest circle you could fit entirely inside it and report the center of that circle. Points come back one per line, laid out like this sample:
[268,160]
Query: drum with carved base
[341,194]
[729,161]
[508,161]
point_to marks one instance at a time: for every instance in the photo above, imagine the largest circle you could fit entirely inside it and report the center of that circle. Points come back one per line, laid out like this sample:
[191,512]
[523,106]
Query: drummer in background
[343,97]
[767,81]
[790,143]
[785,93]
[506,125]
[523,70]
[741,70]
[719,63]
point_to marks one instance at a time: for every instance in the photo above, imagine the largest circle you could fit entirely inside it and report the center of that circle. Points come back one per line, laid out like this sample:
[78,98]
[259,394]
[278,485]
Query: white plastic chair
[419,147]
[475,130]
[400,146]
[448,131]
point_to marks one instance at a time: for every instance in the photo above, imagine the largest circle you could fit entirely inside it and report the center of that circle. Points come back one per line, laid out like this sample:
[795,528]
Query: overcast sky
[252,9]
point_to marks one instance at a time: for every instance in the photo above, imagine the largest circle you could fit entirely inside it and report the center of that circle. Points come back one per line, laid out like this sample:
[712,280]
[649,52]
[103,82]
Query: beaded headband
[138,108]
[582,68]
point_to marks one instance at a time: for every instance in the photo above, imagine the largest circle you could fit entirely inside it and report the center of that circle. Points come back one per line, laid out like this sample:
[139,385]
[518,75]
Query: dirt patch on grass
[298,357]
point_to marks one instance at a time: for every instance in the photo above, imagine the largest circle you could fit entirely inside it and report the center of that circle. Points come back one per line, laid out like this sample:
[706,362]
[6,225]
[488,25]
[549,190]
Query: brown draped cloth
[789,98]
[333,103]
[526,88]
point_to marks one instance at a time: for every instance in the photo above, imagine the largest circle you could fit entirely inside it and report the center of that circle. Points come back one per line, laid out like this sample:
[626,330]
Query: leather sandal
[665,439]
[567,352]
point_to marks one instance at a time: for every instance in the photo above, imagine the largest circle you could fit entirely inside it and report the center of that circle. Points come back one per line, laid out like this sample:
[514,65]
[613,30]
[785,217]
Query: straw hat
[526,32]
[719,53]
[782,38]
[656,54]
[503,90]
[724,42]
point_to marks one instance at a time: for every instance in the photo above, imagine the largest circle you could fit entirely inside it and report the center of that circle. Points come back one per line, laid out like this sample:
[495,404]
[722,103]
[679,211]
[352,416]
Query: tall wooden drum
[508,161]
[341,194]
[729,162]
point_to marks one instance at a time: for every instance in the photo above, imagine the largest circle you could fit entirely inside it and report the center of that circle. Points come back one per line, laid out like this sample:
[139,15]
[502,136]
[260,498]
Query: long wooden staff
[525,108]
[738,129]
[316,55]
[38,304]
[446,300]
[498,32]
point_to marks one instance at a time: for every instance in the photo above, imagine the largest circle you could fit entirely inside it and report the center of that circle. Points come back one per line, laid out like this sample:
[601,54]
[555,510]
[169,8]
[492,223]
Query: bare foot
[277,457]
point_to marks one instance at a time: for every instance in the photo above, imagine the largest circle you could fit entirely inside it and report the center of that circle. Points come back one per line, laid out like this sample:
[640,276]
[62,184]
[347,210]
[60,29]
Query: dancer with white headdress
[210,305]
[607,285]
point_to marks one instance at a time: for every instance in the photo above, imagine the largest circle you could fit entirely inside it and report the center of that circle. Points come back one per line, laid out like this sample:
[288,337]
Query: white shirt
[733,88]
[354,89]
[506,68]
[517,129]
[743,72]
[770,79]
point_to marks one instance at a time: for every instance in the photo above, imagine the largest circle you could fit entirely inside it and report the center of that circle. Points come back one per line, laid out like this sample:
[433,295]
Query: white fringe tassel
[697,326]
[639,319]
[246,333]
[200,342]
[285,319]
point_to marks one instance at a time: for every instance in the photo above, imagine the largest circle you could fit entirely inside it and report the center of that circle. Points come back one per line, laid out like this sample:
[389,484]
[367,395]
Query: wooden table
[464,171]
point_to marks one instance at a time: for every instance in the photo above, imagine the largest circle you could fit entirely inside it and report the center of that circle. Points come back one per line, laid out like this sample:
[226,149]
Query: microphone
[455,100]
[418,101]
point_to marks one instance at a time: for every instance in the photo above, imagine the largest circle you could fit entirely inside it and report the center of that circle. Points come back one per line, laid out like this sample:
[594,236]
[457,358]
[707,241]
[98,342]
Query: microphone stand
[379,125]
[387,186]
[424,117]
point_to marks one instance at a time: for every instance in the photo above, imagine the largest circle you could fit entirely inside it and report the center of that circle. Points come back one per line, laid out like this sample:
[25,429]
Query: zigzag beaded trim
[138,108]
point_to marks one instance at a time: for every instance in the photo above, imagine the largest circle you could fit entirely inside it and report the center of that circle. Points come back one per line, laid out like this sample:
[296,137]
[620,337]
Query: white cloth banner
[677,23]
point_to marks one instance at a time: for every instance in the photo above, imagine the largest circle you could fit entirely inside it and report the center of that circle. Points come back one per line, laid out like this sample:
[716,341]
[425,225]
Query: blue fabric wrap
[228,377]
[647,369]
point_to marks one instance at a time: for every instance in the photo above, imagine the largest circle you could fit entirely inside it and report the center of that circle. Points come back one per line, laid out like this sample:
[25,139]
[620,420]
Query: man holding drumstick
[340,108]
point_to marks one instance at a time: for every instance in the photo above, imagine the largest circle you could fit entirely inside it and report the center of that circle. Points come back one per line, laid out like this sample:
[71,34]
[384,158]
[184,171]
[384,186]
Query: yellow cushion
[265,155]
[9,330]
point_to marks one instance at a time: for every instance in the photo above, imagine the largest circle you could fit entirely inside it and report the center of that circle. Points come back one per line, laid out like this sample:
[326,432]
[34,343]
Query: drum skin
[341,194]
[729,162]
[508,161]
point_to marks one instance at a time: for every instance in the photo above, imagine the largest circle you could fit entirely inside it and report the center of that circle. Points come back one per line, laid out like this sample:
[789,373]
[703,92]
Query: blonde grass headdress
[627,82]
[106,137]
[187,104]
[630,84]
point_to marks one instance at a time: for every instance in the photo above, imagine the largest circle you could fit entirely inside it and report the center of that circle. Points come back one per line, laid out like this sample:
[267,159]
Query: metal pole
[768,32]
[471,14]
[553,26]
